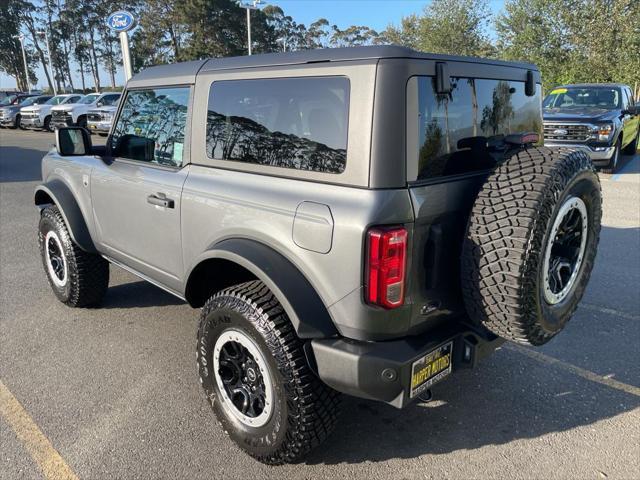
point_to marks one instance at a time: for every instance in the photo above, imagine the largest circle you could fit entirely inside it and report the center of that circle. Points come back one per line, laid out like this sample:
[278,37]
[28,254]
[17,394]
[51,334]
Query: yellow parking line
[581,372]
[47,458]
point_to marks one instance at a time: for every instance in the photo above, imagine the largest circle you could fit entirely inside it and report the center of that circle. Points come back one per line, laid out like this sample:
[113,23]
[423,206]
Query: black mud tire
[507,238]
[612,166]
[87,275]
[633,146]
[304,409]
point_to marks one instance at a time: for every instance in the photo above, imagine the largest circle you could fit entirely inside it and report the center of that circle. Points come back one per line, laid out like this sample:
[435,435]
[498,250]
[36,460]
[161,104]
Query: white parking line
[581,372]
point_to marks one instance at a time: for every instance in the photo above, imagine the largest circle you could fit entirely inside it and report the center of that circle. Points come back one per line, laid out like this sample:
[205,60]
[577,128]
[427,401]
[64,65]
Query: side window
[625,99]
[151,126]
[298,123]
[110,99]
[457,133]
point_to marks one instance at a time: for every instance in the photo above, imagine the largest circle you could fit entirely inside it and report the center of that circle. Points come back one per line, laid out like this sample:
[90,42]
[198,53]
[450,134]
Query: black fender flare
[304,307]
[57,192]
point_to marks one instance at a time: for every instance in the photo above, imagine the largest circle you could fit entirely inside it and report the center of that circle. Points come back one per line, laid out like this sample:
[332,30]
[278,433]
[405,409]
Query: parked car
[10,114]
[365,221]
[39,116]
[600,118]
[76,114]
[100,119]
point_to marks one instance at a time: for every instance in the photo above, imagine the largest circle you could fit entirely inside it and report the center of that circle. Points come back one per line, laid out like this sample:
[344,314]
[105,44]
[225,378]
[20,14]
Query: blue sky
[376,14]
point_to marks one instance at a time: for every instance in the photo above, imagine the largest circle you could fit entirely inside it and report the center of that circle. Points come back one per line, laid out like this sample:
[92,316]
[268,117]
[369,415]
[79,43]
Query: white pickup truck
[39,116]
[76,114]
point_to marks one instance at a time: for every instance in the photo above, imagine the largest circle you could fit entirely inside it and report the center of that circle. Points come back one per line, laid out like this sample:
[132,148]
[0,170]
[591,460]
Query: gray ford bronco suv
[363,221]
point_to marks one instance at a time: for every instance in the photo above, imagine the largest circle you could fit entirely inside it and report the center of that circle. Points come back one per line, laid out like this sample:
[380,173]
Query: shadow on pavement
[20,164]
[140,294]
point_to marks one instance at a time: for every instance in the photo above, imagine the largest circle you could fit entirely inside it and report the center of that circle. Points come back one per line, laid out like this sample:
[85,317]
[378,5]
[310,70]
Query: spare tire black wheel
[531,243]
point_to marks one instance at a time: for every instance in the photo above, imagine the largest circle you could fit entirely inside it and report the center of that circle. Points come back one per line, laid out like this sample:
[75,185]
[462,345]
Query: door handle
[160,202]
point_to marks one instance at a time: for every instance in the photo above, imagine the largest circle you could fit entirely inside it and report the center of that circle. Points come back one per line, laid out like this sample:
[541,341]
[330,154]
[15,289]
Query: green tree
[10,51]
[446,26]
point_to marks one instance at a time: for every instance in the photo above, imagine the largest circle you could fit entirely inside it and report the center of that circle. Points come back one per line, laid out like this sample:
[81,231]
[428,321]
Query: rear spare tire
[530,244]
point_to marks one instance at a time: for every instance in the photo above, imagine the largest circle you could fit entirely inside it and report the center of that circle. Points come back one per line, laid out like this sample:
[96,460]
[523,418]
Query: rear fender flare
[58,193]
[304,307]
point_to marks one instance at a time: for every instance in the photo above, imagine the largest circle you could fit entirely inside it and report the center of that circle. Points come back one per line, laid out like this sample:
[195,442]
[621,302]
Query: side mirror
[99,104]
[73,141]
[632,110]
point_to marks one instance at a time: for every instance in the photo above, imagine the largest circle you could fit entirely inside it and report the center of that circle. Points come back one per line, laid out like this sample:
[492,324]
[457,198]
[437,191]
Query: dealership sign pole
[122,22]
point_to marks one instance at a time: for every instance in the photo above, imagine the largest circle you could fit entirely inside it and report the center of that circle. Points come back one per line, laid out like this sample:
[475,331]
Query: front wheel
[77,278]
[47,124]
[613,163]
[255,375]
[82,122]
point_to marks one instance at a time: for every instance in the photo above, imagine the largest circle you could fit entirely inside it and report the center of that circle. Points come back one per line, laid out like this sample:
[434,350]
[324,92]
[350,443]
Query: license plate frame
[431,368]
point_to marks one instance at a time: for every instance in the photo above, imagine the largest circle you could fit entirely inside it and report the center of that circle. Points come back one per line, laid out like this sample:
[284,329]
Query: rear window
[298,123]
[460,132]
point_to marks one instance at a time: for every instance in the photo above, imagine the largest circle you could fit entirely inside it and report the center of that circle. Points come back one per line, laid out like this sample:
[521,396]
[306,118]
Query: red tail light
[386,264]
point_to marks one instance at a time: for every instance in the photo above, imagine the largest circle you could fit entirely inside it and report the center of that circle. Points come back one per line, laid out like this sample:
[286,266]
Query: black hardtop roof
[185,72]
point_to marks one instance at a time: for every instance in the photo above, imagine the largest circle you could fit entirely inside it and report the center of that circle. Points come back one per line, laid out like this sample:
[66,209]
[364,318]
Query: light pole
[250,6]
[53,80]
[24,59]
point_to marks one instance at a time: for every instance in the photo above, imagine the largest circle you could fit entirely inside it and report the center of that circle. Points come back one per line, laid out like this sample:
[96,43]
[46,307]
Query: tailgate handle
[160,202]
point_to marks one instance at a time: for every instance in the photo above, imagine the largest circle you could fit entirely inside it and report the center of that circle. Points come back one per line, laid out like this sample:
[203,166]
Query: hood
[580,114]
[31,108]
[64,107]
[109,109]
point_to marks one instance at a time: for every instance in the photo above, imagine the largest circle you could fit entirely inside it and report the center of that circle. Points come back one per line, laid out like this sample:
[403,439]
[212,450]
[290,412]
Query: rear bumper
[599,155]
[382,370]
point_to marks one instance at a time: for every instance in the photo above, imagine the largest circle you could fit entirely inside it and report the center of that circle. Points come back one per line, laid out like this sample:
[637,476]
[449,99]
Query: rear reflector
[386,264]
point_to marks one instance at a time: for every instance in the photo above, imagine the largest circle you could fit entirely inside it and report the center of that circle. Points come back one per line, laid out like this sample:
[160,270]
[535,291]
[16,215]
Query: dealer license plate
[431,368]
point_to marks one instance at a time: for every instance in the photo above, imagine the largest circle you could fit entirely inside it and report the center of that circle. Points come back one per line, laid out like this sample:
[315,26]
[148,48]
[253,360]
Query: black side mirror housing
[530,84]
[443,81]
[73,141]
[632,110]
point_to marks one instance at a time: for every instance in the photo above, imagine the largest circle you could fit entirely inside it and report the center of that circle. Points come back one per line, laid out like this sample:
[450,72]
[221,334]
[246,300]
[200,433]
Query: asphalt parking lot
[113,392]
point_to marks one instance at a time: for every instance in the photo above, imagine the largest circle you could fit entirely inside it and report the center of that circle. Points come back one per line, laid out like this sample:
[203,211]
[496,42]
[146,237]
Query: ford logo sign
[560,131]
[121,21]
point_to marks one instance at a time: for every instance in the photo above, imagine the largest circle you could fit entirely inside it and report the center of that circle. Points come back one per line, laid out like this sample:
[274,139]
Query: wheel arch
[237,260]
[56,192]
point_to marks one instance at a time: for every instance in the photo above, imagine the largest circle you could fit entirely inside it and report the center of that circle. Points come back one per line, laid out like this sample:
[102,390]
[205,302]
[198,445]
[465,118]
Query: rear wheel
[78,278]
[531,242]
[255,374]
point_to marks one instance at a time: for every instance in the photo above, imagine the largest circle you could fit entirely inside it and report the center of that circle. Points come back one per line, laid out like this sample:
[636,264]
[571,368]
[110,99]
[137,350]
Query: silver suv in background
[10,114]
[39,116]
[365,221]
[76,114]
[99,120]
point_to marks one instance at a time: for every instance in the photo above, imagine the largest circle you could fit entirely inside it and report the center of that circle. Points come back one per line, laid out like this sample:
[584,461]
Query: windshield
[8,100]
[55,100]
[574,97]
[28,101]
[110,100]
[88,99]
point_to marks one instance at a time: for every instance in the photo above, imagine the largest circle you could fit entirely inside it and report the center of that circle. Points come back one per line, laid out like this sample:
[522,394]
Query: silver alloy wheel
[56,259]
[243,378]
[565,250]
